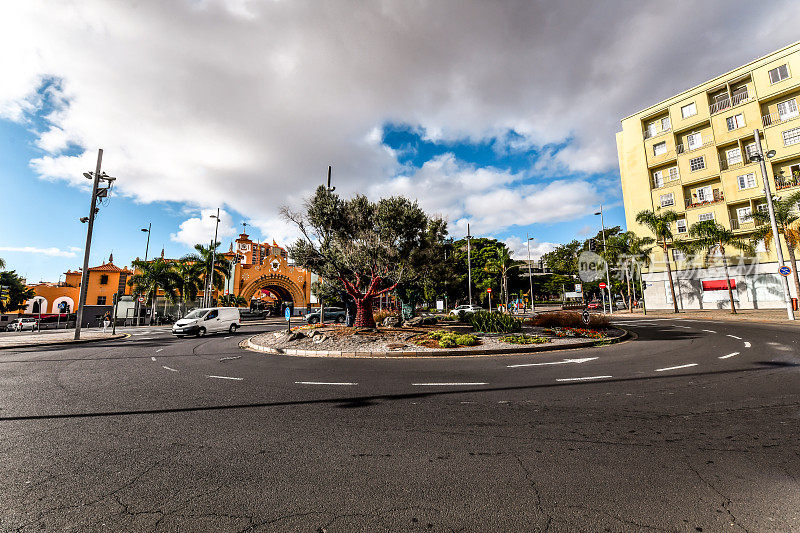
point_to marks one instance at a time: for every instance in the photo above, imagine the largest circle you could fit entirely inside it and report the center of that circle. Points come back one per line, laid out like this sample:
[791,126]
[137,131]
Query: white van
[208,320]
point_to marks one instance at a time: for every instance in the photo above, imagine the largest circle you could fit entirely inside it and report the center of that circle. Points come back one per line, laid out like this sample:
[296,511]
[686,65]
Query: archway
[282,291]
[36,305]
[70,304]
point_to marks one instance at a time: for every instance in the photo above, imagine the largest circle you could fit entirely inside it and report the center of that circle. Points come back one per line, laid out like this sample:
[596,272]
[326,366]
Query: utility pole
[213,260]
[605,260]
[87,249]
[775,238]
[321,282]
[530,275]
[146,250]
[469,267]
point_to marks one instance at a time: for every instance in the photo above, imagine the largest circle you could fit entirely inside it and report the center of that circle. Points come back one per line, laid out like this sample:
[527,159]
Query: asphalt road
[154,433]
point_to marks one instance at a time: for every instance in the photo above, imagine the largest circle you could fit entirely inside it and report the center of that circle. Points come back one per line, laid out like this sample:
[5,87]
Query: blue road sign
[785,270]
[288,313]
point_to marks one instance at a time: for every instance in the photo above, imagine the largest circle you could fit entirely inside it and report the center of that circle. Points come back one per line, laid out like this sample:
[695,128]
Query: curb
[61,343]
[472,352]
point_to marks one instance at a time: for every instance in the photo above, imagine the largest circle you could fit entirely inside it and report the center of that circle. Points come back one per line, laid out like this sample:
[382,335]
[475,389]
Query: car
[593,305]
[21,324]
[207,320]
[332,314]
[466,308]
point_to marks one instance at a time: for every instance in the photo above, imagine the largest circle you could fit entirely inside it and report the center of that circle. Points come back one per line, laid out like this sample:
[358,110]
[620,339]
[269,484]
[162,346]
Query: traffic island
[339,341]
[23,339]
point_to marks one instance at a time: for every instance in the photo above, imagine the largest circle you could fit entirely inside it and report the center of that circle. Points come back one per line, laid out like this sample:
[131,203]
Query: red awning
[718,285]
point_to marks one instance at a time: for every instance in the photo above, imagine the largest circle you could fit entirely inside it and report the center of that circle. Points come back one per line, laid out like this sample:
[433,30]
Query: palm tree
[786,218]
[222,267]
[2,263]
[189,274]
[501,265]
[661,225]
[152,276]
[628,248]
[709,236]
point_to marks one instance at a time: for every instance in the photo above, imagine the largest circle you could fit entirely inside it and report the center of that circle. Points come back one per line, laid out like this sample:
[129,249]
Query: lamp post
[213,259]
[146,250]
[530,275]
[761,158]
[469,267]
[320,281]
[605,250]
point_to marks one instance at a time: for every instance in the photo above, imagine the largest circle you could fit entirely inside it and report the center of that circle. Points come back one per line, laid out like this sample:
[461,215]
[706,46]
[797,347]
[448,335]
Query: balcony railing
[747,224]
[782,182]
[706,141]
[774,118]
[719,196]
[725,165]
[648,134]
[726,103]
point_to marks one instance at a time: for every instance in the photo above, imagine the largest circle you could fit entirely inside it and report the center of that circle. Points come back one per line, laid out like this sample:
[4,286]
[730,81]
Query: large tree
[500,265]
[18,292]
[371,248]
[189,274]
[787,218]
[152,276]
[203,256]
[660,224]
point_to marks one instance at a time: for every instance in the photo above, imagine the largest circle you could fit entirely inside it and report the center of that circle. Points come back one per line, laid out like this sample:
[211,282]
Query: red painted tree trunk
[364,317]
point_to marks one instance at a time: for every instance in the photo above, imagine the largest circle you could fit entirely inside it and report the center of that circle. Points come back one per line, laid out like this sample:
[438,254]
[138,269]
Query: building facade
[691,154]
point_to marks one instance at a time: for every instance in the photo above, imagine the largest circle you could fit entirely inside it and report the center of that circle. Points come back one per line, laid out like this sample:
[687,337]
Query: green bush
[448,339]
[466,340]
[494,322]
[567,319]
[524,339]
[462,316]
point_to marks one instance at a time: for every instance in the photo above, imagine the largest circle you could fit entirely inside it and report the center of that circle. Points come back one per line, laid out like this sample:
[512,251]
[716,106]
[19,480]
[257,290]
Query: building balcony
[721,105]
[782,182]
[719,196]
[649,135]
[744,225]
[681,149]
[773,119]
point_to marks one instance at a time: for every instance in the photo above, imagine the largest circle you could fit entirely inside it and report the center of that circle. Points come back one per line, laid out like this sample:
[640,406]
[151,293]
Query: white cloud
[519,249]
[200,229]
[245,103]
[53,251]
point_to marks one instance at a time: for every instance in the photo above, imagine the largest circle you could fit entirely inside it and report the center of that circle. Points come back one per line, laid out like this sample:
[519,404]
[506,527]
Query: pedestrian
[106,321]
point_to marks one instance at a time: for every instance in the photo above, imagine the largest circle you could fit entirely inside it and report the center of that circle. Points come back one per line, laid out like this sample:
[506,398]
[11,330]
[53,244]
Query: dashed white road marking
[159,350]
[445,384]
[168,368]
[225,377]
[152,358]
[746,344]
[734,337]
[564,362]
[228,337]
[323,383]
[584,378]
[684,327]
[230,358]
[729,355]
[675,367]
[708,330]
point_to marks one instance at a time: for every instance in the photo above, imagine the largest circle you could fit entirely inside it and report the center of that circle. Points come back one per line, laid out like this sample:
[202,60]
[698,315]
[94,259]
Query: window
[746,181]
[665,124]
[787,109]
[678,255]
[667,199]
[743,214]
[688,110]
[680,225]
[735,122]
[660,148]
[750,150]
[762,208]
[651,129]
[791,136]
[760,246]
[705,216]
[705,194]
[733,156]
[673,173]
[698,163]
[695,140]
[101,300]
[779,74]
[104,279]
[658,179]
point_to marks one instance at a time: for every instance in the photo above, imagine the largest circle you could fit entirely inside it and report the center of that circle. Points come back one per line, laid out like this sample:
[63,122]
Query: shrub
[575,332]
[566,319]
[448,339]
[466,340]
[494,322]
[524,339]
[462,316]
[380,316]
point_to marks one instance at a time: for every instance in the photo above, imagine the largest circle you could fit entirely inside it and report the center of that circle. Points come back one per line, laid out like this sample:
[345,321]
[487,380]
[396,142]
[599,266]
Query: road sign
[489,290]
[578,287]
[141,299]
[585,317]
[785,270]
[602,285]
[288,313]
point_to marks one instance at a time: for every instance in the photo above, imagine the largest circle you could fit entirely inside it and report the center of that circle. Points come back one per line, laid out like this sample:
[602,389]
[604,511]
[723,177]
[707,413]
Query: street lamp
[146,250]
[530,275]
[760,157]
[605,260]
[213,258]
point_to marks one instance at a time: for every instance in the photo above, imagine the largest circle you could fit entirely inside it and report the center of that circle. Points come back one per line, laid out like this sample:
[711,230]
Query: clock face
[275,265]
[244,247]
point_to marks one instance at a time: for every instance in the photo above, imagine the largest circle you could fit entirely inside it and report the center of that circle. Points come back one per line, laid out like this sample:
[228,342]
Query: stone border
[61,343]
[248,344]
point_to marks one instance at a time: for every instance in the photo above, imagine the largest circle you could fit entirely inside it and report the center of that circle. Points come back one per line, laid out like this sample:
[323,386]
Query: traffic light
[592,245]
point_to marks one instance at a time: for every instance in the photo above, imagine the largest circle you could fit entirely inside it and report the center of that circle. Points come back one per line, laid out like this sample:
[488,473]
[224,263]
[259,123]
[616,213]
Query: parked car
[593,305]
[208,320]
[332,314]
[466,308]
[22,324]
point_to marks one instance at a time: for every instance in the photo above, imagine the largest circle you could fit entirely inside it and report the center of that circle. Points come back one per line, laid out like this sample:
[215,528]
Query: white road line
[322,383]
[746,344]
[445,384]
[225,377]
[729,355]
[584,379]
[675,367]
[228,337]
[564,362]
[159,350]
[152,358]
[230,358]
[708,330]
[734,337]
[168,368]
[684,327]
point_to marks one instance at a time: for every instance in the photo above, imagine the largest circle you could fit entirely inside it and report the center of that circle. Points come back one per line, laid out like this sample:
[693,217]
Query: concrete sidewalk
[26,339]
[748,315]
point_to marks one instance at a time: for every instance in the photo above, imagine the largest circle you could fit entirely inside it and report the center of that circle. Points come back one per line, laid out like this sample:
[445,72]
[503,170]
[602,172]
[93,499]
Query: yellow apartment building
[691,153]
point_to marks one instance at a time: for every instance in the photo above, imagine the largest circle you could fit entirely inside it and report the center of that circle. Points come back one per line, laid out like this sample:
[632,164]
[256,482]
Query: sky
[497,114]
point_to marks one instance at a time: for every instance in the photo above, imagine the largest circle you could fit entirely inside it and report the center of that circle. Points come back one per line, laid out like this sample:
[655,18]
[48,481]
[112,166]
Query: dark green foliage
[567,319]
[524,339]
[494,322]
[18,292]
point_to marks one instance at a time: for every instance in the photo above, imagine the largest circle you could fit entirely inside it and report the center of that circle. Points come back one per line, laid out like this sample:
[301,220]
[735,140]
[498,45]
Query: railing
[724,165]
[747,224]
[773,118]
[665,181]
[719,196]
[648,135]
[681,149]
[782,182]
[654,159]
[726,103]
